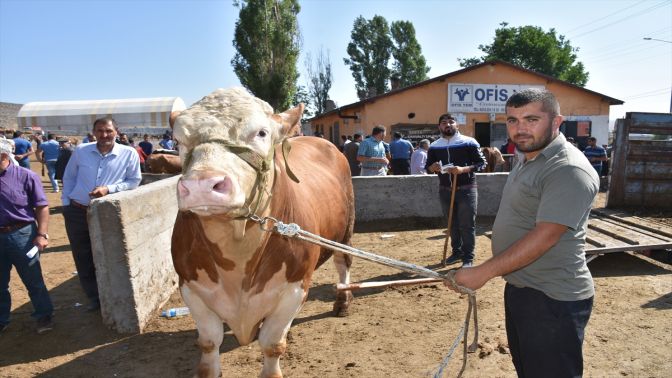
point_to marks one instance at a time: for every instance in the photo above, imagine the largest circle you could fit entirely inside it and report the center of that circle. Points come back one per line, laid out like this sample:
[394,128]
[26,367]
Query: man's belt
[459,187]
[78,205]
[13,227]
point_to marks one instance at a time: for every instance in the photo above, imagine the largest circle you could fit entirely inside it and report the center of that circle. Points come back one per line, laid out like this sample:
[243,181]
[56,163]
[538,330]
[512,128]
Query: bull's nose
[223,186]
[200,186]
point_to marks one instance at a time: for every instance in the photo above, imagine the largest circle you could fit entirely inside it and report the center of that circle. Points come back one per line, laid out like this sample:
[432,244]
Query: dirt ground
[394,332]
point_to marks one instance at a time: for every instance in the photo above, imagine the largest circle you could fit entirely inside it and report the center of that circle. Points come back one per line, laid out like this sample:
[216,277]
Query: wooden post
[450,217]
[618,165]
[383,284]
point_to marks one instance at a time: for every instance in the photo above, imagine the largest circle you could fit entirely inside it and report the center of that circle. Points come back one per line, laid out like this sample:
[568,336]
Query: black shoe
[453,259]
[93,306]
[45,324]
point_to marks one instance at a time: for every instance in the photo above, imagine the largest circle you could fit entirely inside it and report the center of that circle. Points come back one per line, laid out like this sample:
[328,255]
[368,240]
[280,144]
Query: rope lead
[292,230]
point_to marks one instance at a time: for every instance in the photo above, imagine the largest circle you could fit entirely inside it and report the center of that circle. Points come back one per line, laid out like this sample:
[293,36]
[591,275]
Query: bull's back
[324,195]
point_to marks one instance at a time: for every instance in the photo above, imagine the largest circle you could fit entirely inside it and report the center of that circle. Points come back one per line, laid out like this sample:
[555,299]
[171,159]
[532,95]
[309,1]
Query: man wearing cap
[464,153]
[94,170]
[24,221]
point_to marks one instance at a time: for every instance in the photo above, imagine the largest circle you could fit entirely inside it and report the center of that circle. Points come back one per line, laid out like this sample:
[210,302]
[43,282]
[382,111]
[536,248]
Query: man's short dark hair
[397,135]
[51,136]
[378,129]
[357,135]
[446,116]
[592,139]
[106,120]
[549,104]
[17,133]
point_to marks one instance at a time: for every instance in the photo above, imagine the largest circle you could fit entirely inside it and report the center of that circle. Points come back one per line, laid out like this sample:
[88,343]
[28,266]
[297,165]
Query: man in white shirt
[419,158]
[93,171]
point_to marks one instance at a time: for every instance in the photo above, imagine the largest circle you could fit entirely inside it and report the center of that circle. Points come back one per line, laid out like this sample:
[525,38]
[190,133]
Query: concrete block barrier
[131,233]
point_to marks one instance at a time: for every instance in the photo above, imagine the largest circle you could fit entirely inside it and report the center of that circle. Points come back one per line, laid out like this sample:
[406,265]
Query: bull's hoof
[342,304]
[341,311]
[205,371]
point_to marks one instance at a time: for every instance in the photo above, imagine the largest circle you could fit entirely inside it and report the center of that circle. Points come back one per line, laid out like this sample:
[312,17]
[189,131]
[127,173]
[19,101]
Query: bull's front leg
[210,334]
[273,333]
[343,298]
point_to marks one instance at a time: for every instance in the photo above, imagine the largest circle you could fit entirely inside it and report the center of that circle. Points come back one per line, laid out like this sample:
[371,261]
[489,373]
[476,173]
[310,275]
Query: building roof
[100,107]
[610,100]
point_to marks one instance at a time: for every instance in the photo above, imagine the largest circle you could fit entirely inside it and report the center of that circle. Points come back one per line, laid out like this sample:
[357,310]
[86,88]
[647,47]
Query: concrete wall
[409,199]
[131,233]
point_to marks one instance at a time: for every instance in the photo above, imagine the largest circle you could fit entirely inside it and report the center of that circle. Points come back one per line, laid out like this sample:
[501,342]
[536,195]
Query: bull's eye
[261,133]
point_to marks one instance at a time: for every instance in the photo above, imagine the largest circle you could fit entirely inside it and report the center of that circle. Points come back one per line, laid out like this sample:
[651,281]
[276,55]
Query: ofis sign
[482,98]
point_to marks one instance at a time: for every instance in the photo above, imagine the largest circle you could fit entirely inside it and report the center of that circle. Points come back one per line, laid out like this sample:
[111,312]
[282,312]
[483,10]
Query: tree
[409,65]
[369,51]
[267,40]
[532,48]
[301,96]
[319,80]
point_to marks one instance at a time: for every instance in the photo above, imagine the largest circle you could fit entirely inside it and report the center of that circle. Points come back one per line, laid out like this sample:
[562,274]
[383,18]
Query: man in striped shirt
[595,154]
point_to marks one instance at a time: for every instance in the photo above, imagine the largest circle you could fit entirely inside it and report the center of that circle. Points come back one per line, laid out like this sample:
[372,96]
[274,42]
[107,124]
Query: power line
[602,18]
[647,10]
[626,53]
[624,45]
[659,93]
[623,62]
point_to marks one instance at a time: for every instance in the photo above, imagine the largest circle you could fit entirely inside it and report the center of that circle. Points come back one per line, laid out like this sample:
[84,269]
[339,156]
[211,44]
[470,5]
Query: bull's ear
[173,117]
[290,121]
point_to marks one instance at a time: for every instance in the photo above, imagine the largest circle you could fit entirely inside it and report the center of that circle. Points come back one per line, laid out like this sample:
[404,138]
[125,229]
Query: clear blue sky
[79,50]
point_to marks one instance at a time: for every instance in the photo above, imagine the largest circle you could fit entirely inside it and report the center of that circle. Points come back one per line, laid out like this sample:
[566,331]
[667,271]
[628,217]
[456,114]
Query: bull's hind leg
[273,333]
[343,298]
[210,334]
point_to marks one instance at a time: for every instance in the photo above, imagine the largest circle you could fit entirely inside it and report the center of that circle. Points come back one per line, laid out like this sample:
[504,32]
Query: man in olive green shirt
[538,242]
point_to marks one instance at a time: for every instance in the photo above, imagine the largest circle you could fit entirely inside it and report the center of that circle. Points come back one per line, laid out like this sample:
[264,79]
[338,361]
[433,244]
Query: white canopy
[131,105]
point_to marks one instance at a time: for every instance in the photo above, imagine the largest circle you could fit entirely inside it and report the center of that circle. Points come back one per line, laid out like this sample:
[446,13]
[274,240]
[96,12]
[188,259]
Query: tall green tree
[409,64]
[533,48]
[301,96]
[369,51]
[268,41]
[319,80]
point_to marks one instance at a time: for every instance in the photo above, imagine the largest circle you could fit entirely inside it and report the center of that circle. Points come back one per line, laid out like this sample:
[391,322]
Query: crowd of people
[107,161]
[538,234]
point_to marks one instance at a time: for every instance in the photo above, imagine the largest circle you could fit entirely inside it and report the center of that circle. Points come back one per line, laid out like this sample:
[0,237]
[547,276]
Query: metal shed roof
[131,105]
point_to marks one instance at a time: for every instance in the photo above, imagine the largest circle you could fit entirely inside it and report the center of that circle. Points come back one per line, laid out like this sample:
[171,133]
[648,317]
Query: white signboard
[482,98]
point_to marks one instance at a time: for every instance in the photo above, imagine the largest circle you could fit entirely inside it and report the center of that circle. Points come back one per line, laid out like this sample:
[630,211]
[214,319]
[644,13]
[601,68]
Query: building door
[482,133]
[498,134]
[579,130]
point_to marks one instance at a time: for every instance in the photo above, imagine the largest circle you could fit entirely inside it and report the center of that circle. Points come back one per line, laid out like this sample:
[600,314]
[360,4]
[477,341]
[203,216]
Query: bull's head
[227,142]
